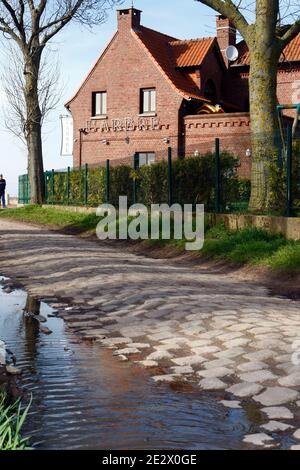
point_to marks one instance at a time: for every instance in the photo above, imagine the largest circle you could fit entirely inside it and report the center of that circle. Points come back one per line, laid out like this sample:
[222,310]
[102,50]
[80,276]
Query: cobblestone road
[181,322]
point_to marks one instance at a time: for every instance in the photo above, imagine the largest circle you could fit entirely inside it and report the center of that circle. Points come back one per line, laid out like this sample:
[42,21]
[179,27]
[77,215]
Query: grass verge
[12,418]
[249,246]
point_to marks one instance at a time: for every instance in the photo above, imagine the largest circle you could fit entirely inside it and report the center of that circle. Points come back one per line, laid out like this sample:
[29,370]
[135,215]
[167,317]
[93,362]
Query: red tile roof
[191,53]
[290,54]
[168,53]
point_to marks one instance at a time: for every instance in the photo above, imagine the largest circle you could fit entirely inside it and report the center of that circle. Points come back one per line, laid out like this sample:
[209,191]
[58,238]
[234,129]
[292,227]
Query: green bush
[278,180]
[193,183]
[153,183]
[121,184]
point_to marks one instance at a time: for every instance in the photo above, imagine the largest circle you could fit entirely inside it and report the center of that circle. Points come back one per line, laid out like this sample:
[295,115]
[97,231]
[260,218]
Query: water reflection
[85,399]
[31,327]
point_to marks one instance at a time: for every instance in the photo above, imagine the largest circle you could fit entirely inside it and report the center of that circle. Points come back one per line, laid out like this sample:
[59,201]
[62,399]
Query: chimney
[128,19]
[226,34]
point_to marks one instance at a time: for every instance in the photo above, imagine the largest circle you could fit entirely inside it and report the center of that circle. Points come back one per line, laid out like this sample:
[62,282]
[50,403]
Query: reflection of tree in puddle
[31,309]
[254,414]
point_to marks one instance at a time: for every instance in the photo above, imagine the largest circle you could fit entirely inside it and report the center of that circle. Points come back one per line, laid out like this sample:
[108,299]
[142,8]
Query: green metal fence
[24,190]
[217,185]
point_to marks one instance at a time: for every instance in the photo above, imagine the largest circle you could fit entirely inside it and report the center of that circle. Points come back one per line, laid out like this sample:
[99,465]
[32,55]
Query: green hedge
[278,181]
[193,183]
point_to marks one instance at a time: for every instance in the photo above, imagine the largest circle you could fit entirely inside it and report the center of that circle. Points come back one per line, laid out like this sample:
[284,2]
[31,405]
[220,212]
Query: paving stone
[276,426]
[182,369]
[259,376]
[229,336]
[205,350]
[165,378]
[276,396]
[230,353]
[245,389]
[199,343]
[297,434]
[251,366]
[139,345]
[122,357]
[159,355]
[116,341]
[168,346]
[159,336]
[217,363]
[260,355]
[259,439]
[215,372]
[11,370]
[212,383]
[240,327]
[132,332]
[148,363]
[278,412]
[231,404]
[236,342]
[292,380]
[188,360]
[125,351]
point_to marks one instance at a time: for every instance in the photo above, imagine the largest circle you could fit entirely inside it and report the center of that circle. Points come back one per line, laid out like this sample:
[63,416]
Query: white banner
[67,136]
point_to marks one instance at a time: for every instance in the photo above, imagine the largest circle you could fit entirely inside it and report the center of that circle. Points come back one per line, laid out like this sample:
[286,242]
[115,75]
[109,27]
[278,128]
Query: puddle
[83,398]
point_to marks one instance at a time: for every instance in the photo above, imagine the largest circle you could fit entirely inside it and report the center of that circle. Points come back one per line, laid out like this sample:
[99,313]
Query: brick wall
[211,69]
[233,130]
[123,70]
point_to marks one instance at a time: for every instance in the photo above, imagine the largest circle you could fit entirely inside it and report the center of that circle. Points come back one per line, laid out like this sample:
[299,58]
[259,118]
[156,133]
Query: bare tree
[15,115]
[267,27]
[32,24]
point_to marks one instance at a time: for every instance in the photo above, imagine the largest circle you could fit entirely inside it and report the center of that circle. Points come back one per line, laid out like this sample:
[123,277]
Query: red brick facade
[185,74]
[233,130]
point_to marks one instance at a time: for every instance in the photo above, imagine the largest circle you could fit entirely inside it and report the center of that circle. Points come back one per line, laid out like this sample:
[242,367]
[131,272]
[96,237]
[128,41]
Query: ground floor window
[146,158]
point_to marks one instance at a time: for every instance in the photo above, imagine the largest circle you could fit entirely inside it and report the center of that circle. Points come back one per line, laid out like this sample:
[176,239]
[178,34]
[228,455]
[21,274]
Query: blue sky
[78,48]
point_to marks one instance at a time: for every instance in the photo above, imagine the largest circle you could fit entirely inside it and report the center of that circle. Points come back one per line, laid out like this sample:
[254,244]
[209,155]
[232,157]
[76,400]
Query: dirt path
[182,322]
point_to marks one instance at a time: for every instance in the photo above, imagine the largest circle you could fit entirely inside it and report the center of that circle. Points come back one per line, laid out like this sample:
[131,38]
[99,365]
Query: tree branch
[290,34]
[231,11]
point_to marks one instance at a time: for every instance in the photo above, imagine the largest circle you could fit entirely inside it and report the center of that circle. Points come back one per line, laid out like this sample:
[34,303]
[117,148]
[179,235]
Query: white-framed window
[99,103]
[148,100]
[146,158]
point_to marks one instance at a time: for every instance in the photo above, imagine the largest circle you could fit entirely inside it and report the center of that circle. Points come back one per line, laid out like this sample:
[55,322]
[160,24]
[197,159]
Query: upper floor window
[99,103]
[148,100]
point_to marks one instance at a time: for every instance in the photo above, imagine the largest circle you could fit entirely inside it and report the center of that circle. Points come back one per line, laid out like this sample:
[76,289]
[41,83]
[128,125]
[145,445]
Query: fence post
[28,195]
[134,185]
[68,185]
[170,177]
[53,188]
[217,177]
[289,169]
[86,173]
[46,186]
[107,181]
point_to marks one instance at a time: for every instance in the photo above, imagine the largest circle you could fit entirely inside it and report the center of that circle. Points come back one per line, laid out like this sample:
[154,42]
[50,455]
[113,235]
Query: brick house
[148,91]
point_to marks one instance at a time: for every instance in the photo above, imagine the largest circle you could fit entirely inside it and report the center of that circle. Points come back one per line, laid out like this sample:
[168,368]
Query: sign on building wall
[67,136]
[124,125]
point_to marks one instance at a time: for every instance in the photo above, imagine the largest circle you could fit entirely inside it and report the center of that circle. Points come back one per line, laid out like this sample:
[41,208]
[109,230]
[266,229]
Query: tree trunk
[264,127]
[264,57]
[34,133]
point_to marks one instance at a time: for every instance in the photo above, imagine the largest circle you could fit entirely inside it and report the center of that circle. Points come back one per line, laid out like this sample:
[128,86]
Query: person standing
[2,191]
